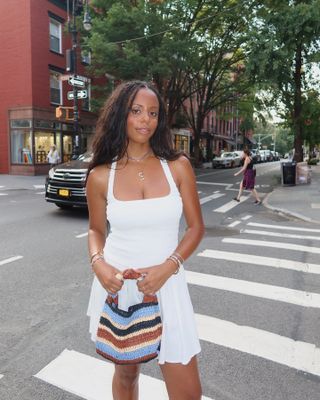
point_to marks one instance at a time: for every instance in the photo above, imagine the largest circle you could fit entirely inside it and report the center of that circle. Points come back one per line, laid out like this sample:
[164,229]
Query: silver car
[227,160]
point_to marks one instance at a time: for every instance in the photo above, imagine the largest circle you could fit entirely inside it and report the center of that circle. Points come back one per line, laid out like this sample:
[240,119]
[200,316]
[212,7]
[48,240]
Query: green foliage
[313,161]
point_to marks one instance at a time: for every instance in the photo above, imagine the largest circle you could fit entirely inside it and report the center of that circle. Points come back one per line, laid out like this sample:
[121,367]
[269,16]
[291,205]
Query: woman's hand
[109,276]
[155,277]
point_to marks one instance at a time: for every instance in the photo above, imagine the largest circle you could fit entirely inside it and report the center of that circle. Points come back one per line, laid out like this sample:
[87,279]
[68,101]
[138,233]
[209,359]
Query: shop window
[21,147]
[20,123]
[42,142]
[55,36]
[55,88]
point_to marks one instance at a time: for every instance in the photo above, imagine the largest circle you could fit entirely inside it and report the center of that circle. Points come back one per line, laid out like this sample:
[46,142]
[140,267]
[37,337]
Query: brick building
[33,68]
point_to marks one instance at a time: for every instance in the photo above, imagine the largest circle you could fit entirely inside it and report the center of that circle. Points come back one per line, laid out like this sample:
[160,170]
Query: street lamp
[72,28]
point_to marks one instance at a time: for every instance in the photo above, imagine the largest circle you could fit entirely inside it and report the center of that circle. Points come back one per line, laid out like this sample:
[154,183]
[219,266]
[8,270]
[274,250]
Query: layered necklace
[138,160]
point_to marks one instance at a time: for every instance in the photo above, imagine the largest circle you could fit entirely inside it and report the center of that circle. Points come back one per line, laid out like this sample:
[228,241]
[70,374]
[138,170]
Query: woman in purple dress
[249,177]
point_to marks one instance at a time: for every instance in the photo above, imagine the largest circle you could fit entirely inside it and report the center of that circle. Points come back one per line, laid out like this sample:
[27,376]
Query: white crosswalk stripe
[295,354]
[297,297]
[262,260]
[90,378]
[231,204]
[287,228]
[280,235]
[10,260]
[211,197]
[278,245]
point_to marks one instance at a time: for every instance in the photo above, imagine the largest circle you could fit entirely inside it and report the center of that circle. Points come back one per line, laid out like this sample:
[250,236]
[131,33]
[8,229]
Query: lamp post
[76,145]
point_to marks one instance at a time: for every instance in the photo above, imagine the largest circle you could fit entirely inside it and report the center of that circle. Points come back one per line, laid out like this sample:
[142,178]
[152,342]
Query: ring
[119,276]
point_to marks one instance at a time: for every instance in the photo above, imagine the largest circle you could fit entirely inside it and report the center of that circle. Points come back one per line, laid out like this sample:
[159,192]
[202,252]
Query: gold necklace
[138,159]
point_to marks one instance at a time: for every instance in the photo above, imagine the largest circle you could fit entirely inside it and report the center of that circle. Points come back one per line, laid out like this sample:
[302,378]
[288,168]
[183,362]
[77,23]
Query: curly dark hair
[110,141]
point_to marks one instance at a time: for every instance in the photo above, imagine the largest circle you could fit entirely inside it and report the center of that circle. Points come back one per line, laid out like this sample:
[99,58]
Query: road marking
[1,376]
[245,218]
[278,234]
[90,378]
[211,197]
[315,205]
[39,186]
[40,193]
[280,349]
[82,235]
[213,183]
[289,228]
[231,204]
[278,245]
[233,224]
[259,260]
[11,259]
[270,292]
[4,194]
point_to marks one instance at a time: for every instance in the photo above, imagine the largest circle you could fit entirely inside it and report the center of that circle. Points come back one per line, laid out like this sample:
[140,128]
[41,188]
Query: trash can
[288,173]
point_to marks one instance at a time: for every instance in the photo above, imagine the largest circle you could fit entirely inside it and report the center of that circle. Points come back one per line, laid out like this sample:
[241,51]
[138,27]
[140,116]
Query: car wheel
[64,206]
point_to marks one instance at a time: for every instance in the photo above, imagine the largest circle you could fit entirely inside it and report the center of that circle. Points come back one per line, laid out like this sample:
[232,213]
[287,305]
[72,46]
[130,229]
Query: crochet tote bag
[133,336]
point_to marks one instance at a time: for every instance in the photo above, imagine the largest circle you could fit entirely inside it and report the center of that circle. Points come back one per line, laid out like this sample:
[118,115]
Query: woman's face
[142,119]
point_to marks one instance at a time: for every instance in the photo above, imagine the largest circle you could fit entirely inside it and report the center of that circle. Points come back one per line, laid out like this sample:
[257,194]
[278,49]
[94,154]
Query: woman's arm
[96,199]
[184,177]
[186,182]
[245,164]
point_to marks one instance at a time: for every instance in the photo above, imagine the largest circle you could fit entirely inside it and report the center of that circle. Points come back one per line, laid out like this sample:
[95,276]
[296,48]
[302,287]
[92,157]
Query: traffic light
[65,113]
[59,112]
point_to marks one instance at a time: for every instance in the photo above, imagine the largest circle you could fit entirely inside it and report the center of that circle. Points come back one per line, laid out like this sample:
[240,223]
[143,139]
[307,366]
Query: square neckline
[113,172]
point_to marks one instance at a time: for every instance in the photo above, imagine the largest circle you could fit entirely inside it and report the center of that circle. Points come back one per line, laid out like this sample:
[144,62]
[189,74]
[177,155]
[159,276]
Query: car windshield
[225,155]
[86,157]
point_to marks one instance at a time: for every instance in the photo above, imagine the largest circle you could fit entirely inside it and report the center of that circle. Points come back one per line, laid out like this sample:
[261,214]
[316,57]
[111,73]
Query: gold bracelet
[179,257]
[99,257]
[100,253]
[176,261]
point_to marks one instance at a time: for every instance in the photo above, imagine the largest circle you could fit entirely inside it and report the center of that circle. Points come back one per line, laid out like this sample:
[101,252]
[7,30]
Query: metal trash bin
[288,173]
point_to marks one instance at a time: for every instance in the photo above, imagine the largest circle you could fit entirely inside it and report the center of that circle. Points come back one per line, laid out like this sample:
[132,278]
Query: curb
[287,212]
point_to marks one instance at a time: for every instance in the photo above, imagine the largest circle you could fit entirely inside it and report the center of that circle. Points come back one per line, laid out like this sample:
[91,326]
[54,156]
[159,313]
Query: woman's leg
[125,383]
[182,381]
[240,191]
[255,194]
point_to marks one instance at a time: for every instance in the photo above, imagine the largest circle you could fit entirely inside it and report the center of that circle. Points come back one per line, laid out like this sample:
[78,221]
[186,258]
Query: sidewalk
[300,201]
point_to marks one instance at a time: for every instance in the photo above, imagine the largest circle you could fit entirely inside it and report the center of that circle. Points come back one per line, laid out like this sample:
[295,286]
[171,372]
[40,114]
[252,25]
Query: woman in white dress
[141,185]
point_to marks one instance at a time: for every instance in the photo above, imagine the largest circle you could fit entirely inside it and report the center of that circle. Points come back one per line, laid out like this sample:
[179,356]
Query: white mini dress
[144,233]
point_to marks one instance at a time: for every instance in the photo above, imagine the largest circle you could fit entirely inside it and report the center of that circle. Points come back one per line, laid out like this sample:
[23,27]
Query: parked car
[65,183]
[266,155]
[227,160]
[256,156]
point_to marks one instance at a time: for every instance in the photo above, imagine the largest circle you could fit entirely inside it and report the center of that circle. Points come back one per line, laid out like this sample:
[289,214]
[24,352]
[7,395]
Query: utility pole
[75,139]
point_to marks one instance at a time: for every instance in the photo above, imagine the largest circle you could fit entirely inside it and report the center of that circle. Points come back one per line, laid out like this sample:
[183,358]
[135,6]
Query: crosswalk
[82,374]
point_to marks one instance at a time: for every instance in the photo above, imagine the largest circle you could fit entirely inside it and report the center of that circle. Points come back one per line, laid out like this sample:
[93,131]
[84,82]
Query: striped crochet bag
[133,336]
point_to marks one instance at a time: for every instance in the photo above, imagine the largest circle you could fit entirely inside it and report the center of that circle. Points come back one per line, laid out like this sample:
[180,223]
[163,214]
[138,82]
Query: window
[21,147]
[42,142]
[55,36]
[55,88]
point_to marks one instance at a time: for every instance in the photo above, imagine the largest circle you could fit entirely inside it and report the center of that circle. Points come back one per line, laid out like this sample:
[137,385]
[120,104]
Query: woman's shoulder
[99,176]
[181,167]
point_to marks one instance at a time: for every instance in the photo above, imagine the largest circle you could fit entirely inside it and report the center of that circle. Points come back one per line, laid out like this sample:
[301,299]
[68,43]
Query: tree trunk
[297,111]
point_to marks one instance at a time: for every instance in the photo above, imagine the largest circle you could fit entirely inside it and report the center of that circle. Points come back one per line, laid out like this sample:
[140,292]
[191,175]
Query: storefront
[182,140]
[31,139]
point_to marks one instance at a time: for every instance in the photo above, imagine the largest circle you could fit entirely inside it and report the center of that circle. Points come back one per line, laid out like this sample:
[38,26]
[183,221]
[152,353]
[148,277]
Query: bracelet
[95,254]
[98,257]
[176,260]
[179,257]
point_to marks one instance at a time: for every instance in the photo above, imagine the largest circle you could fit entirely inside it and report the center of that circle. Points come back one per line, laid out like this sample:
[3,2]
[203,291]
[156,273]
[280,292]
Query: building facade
[34,83]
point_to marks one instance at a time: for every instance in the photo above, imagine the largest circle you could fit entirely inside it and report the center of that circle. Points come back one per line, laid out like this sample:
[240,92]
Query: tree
[283,45]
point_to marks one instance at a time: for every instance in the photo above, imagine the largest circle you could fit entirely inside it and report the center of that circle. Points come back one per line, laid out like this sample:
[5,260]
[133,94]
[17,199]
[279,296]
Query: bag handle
[131,274]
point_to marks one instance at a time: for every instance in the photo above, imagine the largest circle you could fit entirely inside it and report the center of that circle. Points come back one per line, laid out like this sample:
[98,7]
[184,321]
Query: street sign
[81,94]
[76,81]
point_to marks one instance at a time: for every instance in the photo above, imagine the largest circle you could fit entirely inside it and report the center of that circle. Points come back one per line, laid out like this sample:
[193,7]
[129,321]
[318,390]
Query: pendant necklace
[138,159]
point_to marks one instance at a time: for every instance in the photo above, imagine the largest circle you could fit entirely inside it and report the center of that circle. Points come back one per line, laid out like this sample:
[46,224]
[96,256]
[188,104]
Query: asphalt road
[254,283]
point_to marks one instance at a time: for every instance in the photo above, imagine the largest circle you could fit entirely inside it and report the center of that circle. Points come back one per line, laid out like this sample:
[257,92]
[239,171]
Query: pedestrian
[249,177]
[140,185]
[53,156]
